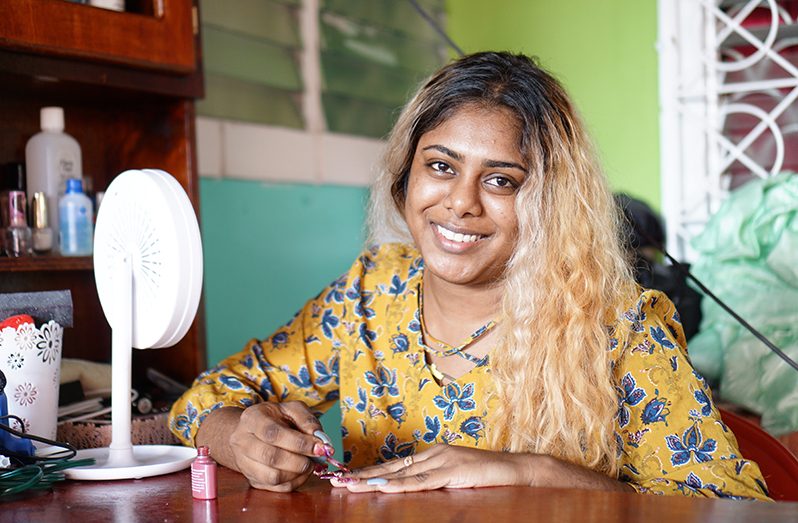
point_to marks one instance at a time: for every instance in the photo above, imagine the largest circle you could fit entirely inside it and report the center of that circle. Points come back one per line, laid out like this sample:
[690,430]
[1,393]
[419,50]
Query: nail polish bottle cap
[203,451]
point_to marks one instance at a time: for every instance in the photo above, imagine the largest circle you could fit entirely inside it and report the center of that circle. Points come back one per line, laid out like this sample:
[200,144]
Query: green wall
[603,52]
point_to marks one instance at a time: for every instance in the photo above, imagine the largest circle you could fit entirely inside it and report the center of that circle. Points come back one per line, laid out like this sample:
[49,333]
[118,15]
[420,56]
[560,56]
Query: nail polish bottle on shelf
[42,233]
[203,475]
[17,241]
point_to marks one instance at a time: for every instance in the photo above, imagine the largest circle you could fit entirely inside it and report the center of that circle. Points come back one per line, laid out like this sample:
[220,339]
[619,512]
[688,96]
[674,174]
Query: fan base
[144,462]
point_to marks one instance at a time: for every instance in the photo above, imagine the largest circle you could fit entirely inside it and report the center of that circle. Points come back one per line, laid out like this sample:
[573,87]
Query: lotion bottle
[52,157]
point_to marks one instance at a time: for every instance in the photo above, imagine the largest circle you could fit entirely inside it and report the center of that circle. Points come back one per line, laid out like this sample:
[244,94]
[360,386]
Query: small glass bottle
[42,233]
[203,475]
[17,241]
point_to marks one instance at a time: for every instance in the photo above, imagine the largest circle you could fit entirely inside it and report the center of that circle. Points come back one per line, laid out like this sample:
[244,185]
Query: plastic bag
[749,258]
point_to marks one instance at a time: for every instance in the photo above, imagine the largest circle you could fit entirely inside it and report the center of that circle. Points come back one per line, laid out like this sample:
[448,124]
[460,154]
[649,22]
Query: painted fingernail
[319,449]
[377,481]
[319,469]
[329,451]
[348,480]
[323,437]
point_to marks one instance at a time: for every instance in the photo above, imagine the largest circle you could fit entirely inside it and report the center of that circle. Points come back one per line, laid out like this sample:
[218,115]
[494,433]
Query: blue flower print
[691,445]
[398,412]
[302,379]
[368,261]
[246,402]
[416,266]
[399,343]
[693,483]
[433,425]
[333,395]
[326,373]
[362,309]
[415,323]
[247,361]
[266,388]
[655,410]
[454,398]
[336,292]
[279,339]
[474,427]
[231,382]
[392,449]
[630,395]
[738,468]
[635,317]
[702,398]
[183,422]
[384,381]
[353,292]
[397,286]
[366,335]
[329,321]
[674,363]
[660,337]
[361,405]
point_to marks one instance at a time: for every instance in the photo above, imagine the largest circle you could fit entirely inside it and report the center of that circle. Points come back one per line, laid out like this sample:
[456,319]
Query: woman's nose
[464,197]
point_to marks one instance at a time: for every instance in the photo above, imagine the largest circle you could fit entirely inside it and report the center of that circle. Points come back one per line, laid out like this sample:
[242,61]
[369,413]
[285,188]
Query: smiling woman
[503,341]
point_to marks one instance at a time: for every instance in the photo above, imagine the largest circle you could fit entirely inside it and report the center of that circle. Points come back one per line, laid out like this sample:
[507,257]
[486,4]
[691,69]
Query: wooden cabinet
[127,83]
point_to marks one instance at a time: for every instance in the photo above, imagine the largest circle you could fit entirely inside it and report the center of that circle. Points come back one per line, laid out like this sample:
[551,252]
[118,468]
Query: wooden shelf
[46,263]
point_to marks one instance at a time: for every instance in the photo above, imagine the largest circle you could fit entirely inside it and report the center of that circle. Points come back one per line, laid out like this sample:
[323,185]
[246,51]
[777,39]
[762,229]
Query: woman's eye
[442,167]
[501,182]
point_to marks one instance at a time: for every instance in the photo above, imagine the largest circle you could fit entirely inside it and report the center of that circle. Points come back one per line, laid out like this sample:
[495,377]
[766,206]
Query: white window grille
[728,83]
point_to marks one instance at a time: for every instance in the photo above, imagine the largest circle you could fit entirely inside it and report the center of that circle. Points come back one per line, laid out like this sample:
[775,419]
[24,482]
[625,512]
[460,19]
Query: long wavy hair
[568,280]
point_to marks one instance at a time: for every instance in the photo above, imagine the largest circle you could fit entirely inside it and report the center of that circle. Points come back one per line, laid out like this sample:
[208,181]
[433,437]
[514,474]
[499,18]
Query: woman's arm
[449,466]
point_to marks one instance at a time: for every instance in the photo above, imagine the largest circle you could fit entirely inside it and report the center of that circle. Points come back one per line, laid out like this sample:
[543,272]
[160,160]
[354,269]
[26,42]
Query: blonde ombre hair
[568,280]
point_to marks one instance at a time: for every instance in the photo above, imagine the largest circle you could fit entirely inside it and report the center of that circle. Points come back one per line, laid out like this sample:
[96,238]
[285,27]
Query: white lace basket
[30,358]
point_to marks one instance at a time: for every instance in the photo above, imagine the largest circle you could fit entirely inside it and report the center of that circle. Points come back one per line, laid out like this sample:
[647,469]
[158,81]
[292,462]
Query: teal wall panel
[267,250]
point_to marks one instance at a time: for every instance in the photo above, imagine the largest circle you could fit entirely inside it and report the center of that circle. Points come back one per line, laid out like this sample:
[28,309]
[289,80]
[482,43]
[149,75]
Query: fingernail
[377,481]
[347,480]
[319,469]
[323,437]
[319,449]
[329,451]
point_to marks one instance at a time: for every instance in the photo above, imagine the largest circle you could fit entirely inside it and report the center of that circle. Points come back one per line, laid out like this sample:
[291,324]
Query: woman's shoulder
[386,263]
[649,320]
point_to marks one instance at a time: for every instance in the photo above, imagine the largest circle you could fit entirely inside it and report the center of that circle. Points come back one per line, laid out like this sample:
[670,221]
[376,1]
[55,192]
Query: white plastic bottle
[52,157]
[76,214]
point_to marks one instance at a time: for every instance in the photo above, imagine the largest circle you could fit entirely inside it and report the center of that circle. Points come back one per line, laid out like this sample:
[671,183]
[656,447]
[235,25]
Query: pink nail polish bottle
[203,475]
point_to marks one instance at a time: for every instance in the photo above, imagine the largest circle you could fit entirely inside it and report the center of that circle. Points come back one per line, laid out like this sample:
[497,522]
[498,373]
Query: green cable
[37,476]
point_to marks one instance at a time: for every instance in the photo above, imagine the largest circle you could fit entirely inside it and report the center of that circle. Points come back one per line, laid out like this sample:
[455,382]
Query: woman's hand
[449,466]
[443,466]
[270,443]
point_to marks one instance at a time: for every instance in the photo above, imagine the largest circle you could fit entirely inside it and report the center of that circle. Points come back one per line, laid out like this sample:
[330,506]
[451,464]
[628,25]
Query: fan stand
[122,460]
[148,271]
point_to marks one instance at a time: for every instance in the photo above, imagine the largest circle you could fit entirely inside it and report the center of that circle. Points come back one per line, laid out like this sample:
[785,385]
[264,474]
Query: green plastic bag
[748,256]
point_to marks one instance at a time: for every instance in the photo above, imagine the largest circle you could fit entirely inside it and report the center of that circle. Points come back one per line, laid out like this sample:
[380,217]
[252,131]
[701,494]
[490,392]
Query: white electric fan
[148,270]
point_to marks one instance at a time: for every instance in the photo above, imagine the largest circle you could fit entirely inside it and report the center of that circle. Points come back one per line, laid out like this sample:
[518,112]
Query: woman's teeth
[456,236]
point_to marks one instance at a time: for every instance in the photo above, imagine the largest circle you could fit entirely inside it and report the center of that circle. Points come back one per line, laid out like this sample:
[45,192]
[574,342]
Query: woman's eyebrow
[445,150]
[493,164]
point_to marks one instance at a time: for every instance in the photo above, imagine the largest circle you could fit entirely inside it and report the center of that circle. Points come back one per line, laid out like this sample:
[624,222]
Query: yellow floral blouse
[359,342]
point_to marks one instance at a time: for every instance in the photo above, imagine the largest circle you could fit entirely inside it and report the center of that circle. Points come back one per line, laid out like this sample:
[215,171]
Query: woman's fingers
[401,466]
[417,481]
[284,426]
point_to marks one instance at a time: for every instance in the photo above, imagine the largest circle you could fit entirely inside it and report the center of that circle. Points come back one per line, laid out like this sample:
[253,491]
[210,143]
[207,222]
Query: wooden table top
[168,498]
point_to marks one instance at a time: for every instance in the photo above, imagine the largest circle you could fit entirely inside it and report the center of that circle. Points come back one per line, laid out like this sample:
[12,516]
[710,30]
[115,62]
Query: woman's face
[460,202]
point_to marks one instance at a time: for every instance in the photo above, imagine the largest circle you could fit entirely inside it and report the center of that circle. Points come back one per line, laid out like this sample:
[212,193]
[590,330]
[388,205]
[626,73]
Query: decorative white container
[30,358]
